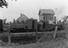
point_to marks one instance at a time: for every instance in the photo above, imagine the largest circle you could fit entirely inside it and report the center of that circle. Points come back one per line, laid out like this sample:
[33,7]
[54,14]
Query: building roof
[22,17]
[46,11]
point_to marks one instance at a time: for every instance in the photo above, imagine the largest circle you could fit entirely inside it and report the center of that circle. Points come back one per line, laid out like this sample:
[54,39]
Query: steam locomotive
[33,25]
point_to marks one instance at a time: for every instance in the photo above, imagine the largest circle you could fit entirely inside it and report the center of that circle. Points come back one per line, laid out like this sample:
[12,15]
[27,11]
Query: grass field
[49,44]
[61,43]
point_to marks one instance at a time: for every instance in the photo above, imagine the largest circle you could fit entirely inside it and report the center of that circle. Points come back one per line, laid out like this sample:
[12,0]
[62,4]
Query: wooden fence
[9,35]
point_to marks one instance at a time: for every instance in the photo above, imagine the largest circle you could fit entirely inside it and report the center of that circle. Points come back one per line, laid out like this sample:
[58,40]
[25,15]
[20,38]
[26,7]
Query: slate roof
[46,11]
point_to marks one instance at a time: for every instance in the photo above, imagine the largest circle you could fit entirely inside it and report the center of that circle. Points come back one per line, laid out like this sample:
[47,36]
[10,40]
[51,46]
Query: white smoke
[59,11]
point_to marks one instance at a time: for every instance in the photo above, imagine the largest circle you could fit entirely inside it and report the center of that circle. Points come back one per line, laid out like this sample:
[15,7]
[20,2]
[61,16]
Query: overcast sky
[31,7]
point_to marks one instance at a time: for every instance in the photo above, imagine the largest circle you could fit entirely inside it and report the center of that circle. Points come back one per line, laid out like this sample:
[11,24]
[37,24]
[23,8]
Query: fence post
[55,32]
[56,27]
[9,36]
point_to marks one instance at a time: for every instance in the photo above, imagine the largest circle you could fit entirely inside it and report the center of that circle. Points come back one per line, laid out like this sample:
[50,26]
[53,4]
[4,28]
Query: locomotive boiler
[29,25]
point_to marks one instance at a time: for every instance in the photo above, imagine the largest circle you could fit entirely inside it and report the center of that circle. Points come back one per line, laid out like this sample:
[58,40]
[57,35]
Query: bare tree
[4,3]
